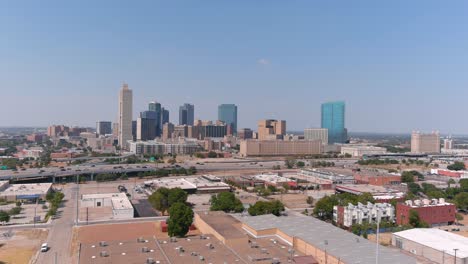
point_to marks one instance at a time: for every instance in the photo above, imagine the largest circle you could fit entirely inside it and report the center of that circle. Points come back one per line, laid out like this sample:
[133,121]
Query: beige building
[362,150]
[168,129]
[279,147]
[316,133]
[425,143]
[269,127]
[125,116]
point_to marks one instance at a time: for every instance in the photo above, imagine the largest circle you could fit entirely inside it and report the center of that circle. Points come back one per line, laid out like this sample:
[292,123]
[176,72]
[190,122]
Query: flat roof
[337,242]
[172,183]
[363,188]
[437,239]
[27,189]
[223,223]
[118,200]
[270,177]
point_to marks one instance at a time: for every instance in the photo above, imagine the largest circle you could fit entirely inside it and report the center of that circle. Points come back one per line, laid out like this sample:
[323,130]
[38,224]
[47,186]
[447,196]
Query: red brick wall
[430,214]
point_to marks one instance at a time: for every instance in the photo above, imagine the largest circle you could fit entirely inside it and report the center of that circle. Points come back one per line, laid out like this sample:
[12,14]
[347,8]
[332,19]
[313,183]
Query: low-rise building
[121,207]
[377,178]
[179,146]
[363,213]
[335,178]
[272,179]
[433,244]
[434,212]
[380,193]
[362,150]
[29,191]
[450,173]
[203,184]
[279,147]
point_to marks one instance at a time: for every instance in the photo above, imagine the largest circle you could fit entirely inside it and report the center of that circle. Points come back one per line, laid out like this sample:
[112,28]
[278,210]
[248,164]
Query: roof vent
[103,243]
[104,254]
[144,249]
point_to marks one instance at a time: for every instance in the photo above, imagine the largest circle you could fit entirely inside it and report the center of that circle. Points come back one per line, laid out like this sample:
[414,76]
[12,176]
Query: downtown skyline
[393,61]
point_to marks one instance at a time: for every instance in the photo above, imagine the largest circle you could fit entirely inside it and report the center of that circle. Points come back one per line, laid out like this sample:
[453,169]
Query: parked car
[44,247]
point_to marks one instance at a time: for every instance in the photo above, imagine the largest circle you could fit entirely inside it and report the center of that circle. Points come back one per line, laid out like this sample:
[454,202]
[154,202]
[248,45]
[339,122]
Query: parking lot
[26,216]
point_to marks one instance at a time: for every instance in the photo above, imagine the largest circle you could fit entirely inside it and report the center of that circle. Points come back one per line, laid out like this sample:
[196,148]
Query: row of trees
[377,161]
[271,207]
[54,198]
[409,176]
[457,165]
[324,207]
[5,215]
[459,195]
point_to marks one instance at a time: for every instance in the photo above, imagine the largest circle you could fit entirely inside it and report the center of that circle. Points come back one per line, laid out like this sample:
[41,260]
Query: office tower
[180,131]
[425,143]
[115,129]
[134,129]
[103,127]
[156,108]
[316,133]
[165,116]
[271,129]
[186,114]
[146,125]
[125,116]
[228,114]
[245,133]
[448,143]
[333,119]
[168,129]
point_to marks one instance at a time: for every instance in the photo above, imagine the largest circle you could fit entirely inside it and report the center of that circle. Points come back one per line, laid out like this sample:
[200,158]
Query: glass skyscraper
[228,114]
[155,107]
[186,114]
[333,119]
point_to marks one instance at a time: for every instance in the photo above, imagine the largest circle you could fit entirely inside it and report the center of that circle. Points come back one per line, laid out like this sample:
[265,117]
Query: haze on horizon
[398,65]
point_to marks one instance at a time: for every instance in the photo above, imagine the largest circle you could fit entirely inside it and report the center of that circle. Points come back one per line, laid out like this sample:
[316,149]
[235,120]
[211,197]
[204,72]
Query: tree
[408,176]
[289,163]
[164,198]
[310,200]
[415,220]
[324,207]
[4,216]
[177,195]
[212,154]
[461,200]
[365,198]
[450,182]
[262,207]
[463,185]
[457,165]
[180,219]
[227,202]
[300,164]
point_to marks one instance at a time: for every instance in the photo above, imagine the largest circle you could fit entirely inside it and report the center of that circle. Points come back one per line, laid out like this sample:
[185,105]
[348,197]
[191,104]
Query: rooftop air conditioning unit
[104,254]
[103,243]
[144,249]
[150,261]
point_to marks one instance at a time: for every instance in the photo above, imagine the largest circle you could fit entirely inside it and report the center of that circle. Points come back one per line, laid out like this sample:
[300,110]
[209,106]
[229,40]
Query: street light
[455,249]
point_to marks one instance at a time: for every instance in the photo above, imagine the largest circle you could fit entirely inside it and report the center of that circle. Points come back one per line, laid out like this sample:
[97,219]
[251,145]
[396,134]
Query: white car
[44,247]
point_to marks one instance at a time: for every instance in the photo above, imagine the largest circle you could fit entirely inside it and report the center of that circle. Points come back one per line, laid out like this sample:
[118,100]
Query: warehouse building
[118,202]
[434,212]
[21,192]
[433,244]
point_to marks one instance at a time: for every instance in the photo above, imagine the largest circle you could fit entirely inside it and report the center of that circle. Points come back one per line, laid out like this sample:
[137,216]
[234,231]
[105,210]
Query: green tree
[324,207]
[414,188]
[177,195]
[415,220]
[310,200]
[300,164]
[461,200]
[450,182]
[463,185]
[457,165]
[365,198]
[212,154]
[4,216]
[163,198]
[180,219]
[15,210]
[289,163]
[262,207]
[227,202]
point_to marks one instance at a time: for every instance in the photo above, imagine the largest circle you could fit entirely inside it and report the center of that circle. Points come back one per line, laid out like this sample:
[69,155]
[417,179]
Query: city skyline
[392,58]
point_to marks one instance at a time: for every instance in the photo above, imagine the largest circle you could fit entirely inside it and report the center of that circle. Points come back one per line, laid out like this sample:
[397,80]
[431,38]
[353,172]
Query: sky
[398,65]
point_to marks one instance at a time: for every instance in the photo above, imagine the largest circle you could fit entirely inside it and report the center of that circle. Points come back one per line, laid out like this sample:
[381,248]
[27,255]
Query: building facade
[362,150]
[103,127]
[369,213]
[155,108]
[146,126]
[245,133]
[270,127]
[186,114]
[333,119]
[316,133]
[425,143]
[228,114]
[279,147]
[125,116]
[164,148]
[168,129]
[434,212]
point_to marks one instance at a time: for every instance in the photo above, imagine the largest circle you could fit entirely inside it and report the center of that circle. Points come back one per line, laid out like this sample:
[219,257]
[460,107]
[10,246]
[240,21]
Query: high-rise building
[155,107]
[245,133]
[316,133]
[168,129]
[333,119]
[165,116]
[271,129]
[103,127]
[115,129]
[186,114]
[146,125]
[125,116]
[134,129]
[228,114]
[425,143]
[448,143]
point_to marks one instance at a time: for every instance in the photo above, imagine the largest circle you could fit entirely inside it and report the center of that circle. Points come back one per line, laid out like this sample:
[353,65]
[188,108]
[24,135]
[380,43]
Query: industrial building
[450,173]
[203,184]
[117,202]
[377,177]
[380,193]
[363,213]
[434,212]
[335,178]
[433,244]
[18,192]
[362,150]
[271,179]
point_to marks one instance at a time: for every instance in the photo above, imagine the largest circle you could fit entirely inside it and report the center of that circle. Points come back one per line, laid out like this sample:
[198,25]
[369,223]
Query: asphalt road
[60,232]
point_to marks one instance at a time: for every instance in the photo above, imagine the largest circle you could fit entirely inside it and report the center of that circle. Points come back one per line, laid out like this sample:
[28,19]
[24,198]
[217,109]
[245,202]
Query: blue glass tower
[228,114]
[333,119]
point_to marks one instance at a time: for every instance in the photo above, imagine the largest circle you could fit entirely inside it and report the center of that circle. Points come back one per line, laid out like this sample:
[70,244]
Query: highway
[201,165]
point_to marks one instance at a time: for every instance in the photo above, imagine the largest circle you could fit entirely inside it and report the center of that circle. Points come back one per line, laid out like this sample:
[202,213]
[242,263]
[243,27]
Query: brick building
[434,212]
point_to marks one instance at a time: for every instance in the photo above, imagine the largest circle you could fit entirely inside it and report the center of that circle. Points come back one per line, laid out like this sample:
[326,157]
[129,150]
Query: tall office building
[448,143]
[271,129]
[165,116]
[168,129]
[228,114]
[103,127]
[425,143]
[316,133]
[146,125]
[125,116]
[186,114]
[155,107]
[333,119]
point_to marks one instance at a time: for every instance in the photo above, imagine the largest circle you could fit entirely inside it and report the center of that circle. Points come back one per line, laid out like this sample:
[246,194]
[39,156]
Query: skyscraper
[271,129]
[425,143]
[333,119]
[146,125]
[125,116]
[165,116]
[228,114]
[155,107]
[103,127]
[186,114]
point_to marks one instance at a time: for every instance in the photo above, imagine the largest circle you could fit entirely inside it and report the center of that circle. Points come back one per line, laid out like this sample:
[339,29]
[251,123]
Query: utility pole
[55,258]
[377,238]
[455,249]
[77,198]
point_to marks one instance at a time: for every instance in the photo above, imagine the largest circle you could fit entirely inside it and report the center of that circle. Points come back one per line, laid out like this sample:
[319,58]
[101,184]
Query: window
[98,204]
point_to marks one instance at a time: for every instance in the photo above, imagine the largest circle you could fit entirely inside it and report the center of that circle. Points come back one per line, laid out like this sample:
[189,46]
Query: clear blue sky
[399,65]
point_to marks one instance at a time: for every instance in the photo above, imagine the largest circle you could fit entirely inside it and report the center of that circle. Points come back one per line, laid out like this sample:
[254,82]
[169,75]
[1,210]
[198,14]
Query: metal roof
[350,248]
